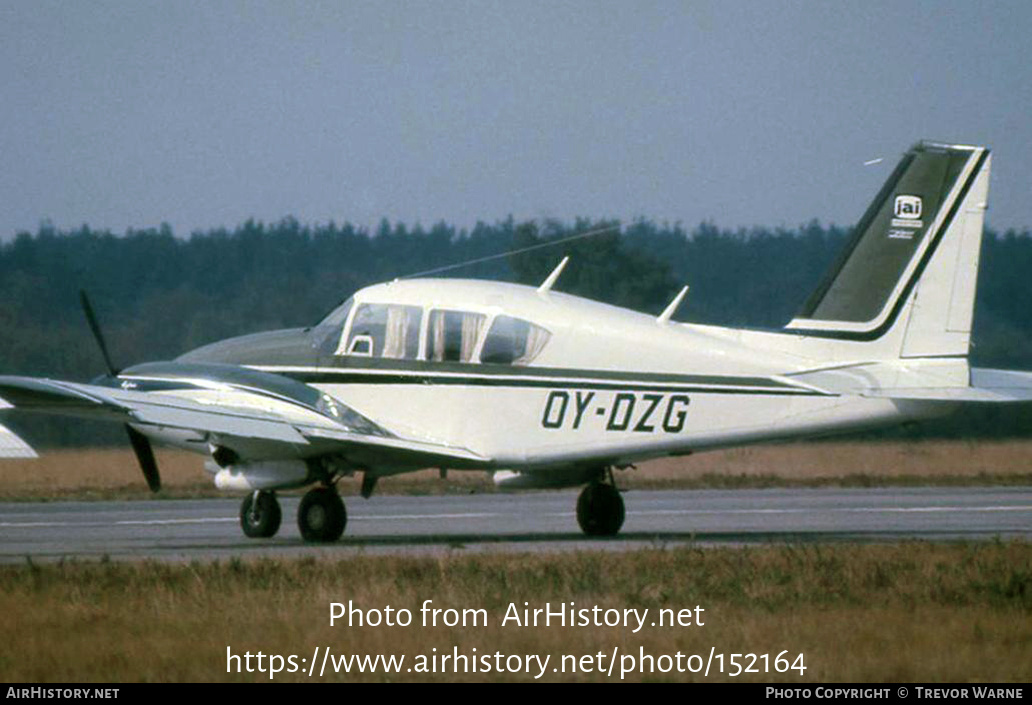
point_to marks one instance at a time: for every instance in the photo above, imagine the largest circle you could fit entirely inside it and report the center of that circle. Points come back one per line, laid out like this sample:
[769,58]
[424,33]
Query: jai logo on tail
[908,207]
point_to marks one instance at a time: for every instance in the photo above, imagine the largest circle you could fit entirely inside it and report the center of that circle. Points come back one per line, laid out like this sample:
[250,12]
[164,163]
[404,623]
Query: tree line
[158,295]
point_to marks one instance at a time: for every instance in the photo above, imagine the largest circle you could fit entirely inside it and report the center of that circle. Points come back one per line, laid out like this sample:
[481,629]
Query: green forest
[158,295]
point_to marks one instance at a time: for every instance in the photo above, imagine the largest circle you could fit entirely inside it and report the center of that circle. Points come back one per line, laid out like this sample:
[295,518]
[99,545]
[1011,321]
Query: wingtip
[12,446]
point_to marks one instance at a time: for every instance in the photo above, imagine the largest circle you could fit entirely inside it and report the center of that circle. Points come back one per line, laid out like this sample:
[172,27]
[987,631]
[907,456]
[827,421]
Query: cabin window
[512,341]
[452,335]
[380,330]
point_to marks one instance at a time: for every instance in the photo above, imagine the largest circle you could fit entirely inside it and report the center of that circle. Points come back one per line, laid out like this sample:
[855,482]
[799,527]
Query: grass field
[909,612]
[113,474]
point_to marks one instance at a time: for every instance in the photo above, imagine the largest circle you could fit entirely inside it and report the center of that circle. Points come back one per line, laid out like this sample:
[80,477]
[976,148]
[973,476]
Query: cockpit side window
[403,332]
[513,341]
[381,330]
[452,335]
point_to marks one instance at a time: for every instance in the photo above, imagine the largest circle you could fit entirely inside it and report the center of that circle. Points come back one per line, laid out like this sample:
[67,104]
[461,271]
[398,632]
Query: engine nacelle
[544,479]
[263,475]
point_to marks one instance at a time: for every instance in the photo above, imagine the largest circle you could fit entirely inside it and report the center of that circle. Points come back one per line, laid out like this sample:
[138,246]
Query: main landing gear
[600,508]
[321,517]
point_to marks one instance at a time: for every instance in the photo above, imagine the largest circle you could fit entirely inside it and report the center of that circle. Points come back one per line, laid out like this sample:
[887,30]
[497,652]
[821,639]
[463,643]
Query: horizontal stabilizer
[925,380]
[1011,385]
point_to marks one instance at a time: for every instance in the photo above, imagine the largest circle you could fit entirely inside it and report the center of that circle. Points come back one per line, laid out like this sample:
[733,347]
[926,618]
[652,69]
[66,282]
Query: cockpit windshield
[326,334]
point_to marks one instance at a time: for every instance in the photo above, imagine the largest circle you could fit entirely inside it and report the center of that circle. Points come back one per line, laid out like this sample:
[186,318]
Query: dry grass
[910,612]
[101,474]
[113,474]
[895,462]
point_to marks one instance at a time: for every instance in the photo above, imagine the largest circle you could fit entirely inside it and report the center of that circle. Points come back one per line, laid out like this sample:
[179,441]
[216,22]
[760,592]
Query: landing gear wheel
[600,510]
[260,518]
[321,516]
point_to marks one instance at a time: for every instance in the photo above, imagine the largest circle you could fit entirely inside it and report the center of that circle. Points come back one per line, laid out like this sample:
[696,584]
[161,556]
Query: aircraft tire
[321,516]
[264,521]
[600,510]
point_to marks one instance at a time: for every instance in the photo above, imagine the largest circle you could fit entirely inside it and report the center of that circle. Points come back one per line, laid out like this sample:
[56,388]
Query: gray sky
[203,114]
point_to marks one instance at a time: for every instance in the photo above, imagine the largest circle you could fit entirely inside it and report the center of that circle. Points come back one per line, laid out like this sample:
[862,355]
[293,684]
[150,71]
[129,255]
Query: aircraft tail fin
[906,281]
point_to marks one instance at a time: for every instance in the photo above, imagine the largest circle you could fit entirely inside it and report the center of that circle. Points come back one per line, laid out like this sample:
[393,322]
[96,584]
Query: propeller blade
[145,456]
[95,327]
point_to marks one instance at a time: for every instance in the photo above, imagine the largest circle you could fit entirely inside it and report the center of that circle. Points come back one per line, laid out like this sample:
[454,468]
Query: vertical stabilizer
[907,278]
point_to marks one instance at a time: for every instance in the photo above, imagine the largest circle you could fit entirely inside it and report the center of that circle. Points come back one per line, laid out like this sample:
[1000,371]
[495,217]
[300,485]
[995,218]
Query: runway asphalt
[184,530]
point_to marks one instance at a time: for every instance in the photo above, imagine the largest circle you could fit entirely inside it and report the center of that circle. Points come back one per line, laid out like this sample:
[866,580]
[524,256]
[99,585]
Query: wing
[280,418]
[11,446]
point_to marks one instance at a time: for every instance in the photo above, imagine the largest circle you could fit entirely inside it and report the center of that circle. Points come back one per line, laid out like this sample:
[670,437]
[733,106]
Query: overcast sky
[204,114]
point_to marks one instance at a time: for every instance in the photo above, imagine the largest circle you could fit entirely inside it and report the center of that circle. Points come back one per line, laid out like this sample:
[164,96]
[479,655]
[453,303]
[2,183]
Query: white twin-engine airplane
[544,389]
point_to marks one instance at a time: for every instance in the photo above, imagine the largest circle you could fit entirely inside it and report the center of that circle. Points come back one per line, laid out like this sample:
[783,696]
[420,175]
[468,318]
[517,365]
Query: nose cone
[292,346]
